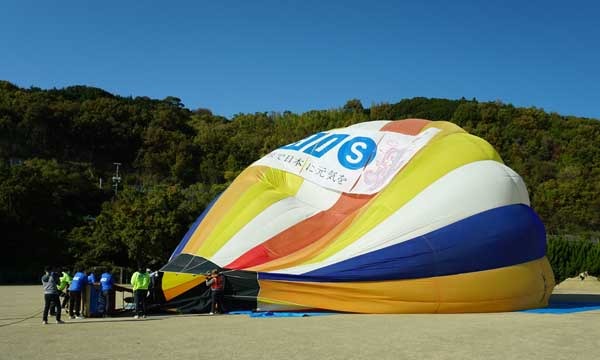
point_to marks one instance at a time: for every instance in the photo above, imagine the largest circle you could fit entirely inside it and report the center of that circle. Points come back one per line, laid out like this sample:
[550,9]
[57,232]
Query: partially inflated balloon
[379,217]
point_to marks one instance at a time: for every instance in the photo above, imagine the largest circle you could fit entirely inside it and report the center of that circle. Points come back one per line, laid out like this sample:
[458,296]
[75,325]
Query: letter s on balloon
[357,152]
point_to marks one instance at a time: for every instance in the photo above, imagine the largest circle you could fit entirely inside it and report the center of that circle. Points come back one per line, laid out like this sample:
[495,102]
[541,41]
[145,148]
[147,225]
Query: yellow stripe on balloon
[175,284]
[240,185]
[433,162]
[446,127]
[511,288]
[271,185]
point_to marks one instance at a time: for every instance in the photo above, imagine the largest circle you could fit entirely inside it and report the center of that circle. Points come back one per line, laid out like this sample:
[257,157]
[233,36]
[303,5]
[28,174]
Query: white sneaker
[80,317]
[136,317]
[44,322]
[144,316]
[211,313]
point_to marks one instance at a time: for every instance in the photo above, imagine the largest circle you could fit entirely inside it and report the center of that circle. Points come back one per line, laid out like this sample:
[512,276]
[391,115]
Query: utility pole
[116,179]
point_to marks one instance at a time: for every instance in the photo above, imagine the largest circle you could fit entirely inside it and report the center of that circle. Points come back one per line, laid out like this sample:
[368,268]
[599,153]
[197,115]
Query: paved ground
[462,336]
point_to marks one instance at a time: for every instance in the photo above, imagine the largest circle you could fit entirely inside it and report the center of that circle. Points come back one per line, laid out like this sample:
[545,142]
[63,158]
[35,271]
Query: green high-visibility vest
[140,281]
[65,280]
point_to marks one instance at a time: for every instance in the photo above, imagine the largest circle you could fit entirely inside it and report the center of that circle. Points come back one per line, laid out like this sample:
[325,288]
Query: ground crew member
[106,285]
[63,287]
[216,281]
[49,283]
[78,284]
[140,281]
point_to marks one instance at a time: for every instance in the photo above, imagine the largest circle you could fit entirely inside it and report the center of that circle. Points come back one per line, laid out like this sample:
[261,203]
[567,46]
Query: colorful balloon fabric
[408,216]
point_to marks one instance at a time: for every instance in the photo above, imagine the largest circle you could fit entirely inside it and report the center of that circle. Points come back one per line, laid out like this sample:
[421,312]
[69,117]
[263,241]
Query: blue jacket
[91,278]
[78,282]
[106,280]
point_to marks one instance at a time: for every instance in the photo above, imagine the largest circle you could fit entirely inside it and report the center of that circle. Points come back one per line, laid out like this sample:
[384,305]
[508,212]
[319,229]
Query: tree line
[56,145]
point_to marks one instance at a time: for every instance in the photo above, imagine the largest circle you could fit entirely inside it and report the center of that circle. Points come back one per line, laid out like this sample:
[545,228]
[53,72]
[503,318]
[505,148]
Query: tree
[353,105]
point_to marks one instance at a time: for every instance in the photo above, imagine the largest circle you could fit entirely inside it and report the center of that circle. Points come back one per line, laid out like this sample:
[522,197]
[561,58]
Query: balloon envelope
[380,217]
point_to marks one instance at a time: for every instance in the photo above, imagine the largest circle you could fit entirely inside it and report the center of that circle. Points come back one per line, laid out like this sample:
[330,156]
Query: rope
[37,313]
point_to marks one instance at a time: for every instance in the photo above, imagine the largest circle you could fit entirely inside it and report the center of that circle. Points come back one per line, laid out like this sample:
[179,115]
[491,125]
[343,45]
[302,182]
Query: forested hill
[56,145]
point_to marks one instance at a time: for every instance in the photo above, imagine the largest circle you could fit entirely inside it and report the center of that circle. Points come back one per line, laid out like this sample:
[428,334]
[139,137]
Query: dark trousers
[107,296]
[74,303]
[54,301]
[52,306]
[65,299]
[216,299]
[139,296]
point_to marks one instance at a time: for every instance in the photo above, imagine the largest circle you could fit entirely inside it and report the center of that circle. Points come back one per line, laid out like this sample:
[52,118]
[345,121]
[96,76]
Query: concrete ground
[515,335]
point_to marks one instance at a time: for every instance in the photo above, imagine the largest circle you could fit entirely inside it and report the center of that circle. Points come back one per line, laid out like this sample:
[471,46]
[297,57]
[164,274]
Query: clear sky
[254,56]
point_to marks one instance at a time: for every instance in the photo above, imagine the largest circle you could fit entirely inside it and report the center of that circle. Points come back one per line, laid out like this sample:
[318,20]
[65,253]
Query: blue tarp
[552,308]
[565,308]
[279,314]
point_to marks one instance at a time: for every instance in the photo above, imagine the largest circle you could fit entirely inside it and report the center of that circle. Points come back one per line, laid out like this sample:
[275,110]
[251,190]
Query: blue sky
[254,56]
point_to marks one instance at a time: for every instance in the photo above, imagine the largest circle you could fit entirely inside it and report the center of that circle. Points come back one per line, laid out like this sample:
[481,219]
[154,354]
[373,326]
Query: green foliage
[55,146]
[139,227]
[40,202]
[569,258]
[354,105]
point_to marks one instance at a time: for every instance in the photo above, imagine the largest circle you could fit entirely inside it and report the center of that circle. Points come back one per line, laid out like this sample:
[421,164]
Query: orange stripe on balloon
[177,290]
[313,249]
[408,126]
[301,234]
[240,185]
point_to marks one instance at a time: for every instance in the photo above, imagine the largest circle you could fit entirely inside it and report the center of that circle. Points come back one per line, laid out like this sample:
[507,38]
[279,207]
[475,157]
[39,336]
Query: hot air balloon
[408,216]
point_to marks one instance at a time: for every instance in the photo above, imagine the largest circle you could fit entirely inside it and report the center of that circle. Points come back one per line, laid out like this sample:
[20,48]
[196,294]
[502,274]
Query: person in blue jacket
[106,284]
[91,279]
[78,284]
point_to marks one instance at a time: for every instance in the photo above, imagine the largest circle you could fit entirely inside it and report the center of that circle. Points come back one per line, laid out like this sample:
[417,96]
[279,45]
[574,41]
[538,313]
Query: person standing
[153,287]
[63,287]
[140,281]
[106,284]
[50,285]
[216,281]
[77,286]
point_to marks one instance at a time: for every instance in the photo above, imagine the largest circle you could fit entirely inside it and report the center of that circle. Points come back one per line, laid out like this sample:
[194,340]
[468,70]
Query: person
[78,284]
[91,279]
[106,284]
[63,287]
[216,281]
[140,281]
[153,285]
[50,285]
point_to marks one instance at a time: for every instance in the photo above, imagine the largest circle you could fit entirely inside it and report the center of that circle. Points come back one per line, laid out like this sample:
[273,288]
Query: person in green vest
[63,286]
[140,281]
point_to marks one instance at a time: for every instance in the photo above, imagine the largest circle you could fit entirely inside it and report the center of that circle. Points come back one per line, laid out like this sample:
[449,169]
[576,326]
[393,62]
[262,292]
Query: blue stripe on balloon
[193,228]
[495,238]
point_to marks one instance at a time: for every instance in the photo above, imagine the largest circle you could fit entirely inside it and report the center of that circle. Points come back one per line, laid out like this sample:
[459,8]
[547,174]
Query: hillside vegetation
[56,145]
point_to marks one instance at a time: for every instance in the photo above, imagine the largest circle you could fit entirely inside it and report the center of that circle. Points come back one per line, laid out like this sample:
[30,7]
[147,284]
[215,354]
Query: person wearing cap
[140,280]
